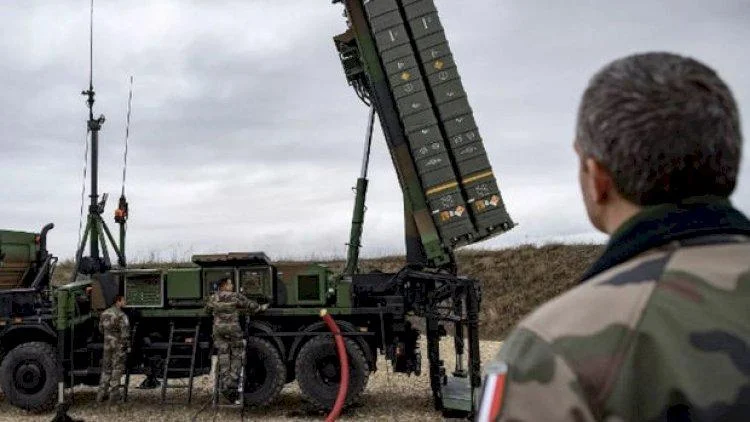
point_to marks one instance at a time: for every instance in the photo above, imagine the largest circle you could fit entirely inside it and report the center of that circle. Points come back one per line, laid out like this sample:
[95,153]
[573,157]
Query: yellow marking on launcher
[441,188]
[477,177]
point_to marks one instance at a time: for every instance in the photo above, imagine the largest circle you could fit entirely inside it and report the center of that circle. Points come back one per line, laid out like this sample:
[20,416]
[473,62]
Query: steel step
[89,348]
[184,330]
[179,370]
[86,372]
[230,406]
[163,345]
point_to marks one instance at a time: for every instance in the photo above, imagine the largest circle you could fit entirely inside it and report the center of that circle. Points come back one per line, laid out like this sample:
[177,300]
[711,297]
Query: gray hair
[666,127]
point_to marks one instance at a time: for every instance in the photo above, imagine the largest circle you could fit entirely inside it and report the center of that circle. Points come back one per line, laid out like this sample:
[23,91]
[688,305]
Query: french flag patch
[493,392]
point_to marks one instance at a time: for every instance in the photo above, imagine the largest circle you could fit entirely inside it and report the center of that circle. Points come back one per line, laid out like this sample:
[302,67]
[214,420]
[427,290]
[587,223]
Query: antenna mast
[121,213]
[96,229]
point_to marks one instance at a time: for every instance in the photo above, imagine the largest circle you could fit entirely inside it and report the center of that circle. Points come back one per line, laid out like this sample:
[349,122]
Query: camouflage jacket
[114,325]
[659,329]
[226,306]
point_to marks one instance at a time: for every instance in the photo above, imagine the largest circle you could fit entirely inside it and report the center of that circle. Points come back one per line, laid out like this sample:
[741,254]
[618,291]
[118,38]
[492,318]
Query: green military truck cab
[28,363]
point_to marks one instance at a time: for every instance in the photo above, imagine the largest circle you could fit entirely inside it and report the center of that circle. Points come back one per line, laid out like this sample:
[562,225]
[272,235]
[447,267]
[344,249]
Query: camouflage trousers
[113,366]
[229,350]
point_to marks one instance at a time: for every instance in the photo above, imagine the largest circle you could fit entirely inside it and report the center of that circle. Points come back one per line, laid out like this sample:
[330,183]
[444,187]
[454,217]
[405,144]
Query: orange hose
[338,405]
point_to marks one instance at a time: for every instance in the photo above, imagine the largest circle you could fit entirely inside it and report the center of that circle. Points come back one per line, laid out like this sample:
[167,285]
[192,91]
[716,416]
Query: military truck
[396,57]
[42,328]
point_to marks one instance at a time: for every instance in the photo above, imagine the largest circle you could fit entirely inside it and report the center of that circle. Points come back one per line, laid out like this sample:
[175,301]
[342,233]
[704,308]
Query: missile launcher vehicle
[396,57]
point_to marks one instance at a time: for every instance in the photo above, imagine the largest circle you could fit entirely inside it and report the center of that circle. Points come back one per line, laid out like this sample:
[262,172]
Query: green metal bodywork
[64,304]
[304,284]
[344,293]
[184,283]
[355,235]
[17,246]
[145,287]
[183,291]
[18,252]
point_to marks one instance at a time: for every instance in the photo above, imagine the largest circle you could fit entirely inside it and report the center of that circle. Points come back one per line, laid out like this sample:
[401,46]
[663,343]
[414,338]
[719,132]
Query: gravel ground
[388,397]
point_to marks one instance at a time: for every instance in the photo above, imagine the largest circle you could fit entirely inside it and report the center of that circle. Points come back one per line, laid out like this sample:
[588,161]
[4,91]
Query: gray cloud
[245,135]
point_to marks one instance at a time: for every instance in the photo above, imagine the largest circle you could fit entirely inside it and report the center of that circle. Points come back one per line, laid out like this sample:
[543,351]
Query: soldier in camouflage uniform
[225,306]
[659,327]
[115,328]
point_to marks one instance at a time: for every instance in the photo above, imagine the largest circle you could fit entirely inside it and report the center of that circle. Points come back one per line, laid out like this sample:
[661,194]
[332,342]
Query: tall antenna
[90,92]
[91,47]
[127,135]
[96,229]
[121,213]
[94,125]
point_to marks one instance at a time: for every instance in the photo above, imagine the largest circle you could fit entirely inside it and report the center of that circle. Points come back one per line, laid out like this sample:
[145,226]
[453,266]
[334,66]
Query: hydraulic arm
[358,216]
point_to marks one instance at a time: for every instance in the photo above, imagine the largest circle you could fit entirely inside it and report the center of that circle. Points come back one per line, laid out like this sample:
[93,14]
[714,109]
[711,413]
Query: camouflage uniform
[227,334]
[659,329]
[115,327]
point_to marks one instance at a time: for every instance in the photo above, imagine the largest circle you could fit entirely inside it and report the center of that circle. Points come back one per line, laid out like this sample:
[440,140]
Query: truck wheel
[29,376]
[318,372]
[265,372]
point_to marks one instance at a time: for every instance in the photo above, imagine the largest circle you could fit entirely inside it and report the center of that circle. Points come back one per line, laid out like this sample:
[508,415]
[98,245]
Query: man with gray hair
[659,327]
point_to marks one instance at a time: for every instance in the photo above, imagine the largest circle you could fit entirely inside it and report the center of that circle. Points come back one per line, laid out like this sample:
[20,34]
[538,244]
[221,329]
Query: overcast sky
[245,135]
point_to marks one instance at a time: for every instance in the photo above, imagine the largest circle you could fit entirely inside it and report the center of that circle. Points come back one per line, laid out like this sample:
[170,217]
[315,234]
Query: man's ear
[599,181]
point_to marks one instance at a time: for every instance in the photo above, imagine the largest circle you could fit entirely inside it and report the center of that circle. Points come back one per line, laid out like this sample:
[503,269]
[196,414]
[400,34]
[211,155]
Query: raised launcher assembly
[396,55]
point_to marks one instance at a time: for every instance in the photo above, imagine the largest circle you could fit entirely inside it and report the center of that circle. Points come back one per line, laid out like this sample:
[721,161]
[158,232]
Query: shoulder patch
[493,392]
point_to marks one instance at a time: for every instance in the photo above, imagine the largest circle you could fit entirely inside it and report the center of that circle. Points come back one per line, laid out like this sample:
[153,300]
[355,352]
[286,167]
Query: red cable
[343,360]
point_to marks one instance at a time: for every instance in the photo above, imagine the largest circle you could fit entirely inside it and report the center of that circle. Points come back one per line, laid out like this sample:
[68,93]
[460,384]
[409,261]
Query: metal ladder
[126,387]
[240,403]
[172,357]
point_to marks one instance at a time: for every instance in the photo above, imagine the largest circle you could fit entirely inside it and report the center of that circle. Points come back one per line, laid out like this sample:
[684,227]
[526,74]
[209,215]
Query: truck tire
[28,376]
[318,372]
[265,373]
